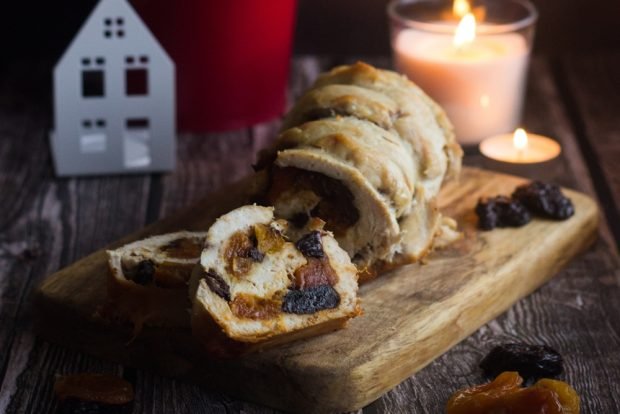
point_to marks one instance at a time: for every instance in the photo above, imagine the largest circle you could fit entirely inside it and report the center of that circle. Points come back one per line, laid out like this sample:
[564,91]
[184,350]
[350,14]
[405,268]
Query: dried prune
[531,361]
[310,300]
[505,395]
[501,211]
[144,272]
[217,284]
[75,406]
[546,200]
[310,245]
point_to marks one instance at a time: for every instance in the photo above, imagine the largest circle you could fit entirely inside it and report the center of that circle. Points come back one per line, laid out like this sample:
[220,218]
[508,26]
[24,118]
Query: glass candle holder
[472,59]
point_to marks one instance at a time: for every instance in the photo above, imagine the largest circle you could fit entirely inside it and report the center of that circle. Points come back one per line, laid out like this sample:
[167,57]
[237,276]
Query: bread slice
[367,151]
[256,288]
[148,279]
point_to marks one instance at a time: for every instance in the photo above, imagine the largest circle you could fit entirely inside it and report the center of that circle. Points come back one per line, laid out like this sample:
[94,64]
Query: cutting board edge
[339,402]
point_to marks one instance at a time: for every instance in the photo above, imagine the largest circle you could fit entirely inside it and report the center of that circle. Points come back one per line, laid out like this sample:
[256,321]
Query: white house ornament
[114,98]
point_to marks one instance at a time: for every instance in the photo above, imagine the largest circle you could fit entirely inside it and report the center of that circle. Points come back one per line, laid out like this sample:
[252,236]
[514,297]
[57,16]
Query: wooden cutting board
[411,315]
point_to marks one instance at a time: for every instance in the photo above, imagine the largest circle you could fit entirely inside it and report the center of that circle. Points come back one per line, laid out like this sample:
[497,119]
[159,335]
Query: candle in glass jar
[479,81]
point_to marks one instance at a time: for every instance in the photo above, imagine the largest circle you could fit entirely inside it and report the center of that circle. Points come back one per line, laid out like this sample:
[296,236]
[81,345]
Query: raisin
[310,300]
[144,272]
[531,361]
[310,245]
[217,284]
[501,211]
[75,406]
[546,200]
[241,252]
[255,254]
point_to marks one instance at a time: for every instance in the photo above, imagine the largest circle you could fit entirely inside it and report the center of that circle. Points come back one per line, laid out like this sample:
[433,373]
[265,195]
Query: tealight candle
[475,70]
[520,148]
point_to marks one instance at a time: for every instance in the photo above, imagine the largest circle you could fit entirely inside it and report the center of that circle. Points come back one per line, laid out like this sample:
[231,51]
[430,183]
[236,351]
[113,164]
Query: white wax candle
[480,85]
[537,148]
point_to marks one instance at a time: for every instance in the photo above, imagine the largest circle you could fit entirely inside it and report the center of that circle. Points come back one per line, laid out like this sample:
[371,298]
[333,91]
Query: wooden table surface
[47,223]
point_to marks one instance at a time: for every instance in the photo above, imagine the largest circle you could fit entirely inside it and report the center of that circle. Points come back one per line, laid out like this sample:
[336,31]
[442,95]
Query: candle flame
[465,32]
[460,8]
[519,139]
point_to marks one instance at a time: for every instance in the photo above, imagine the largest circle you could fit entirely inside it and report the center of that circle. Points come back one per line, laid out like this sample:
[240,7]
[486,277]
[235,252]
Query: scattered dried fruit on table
[501,211]
[506,396]
[530,361]
[93,393]
[546,200]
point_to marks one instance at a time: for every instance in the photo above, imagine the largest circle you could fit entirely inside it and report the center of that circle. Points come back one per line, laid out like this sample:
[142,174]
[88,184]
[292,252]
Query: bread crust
[147,304]
[225,333]
[386,128]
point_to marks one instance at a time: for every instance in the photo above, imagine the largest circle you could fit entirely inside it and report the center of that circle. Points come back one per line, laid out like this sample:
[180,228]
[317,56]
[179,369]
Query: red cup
[232,58]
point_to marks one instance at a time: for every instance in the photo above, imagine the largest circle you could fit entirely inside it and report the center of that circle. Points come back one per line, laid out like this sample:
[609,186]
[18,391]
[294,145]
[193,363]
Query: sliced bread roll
[148,279]
[255,288]
[366,151]
[419,120]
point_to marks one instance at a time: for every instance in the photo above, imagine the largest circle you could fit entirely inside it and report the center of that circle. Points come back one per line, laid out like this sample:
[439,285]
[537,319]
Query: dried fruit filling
[166,274]
[241,252]
[183,248]
[336,205]
[253,307]
[506,396]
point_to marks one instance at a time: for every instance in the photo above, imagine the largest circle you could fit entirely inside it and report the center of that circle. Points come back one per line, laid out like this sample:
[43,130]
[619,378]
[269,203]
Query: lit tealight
[520,148]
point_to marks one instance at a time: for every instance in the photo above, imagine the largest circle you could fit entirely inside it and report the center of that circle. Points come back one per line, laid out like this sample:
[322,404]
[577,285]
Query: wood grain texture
[577,312]
[43,225]
[412,315]
[593,105]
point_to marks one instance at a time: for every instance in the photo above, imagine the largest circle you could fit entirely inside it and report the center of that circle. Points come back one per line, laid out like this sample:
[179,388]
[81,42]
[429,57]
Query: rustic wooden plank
[546,113]
[590,85]
[46,223]
[420,393]
[565,314]
[205,163]
[405,325]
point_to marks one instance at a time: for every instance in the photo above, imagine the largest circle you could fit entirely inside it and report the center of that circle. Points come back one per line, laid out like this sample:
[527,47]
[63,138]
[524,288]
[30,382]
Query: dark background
[42,29]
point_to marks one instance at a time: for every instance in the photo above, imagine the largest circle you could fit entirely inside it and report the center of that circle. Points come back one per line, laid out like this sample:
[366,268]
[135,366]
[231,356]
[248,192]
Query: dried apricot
[98,388]
[505,395]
